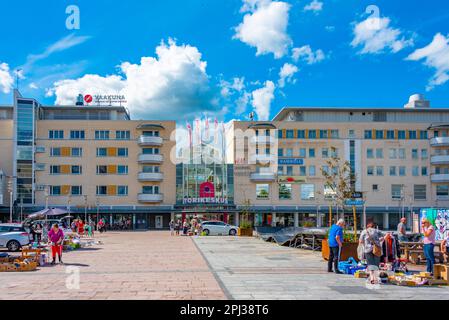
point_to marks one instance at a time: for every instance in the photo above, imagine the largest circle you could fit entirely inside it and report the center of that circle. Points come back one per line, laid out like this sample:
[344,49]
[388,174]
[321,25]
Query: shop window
[262,191]
[419,191]
[307,192]
[285,192]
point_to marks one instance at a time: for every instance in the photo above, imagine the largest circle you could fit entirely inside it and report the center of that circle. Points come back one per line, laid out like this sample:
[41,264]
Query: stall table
[414,252]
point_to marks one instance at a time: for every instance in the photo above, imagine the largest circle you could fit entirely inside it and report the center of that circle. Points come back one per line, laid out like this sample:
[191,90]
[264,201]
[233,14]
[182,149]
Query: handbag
[377,250]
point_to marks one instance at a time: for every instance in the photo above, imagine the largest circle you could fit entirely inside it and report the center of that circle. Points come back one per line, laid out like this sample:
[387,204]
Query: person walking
[371,239]
[56,238]
[38,233]
[335,242]
[402,230]
[172,227]
[177,227]
[92,228]
[429,244]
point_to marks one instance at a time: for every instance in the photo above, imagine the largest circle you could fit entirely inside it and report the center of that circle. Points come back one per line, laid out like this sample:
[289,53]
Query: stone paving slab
[250,268]
[141,265]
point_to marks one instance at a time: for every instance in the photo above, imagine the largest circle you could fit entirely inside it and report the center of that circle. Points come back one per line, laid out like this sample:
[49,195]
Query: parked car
[218,228]
[13,236]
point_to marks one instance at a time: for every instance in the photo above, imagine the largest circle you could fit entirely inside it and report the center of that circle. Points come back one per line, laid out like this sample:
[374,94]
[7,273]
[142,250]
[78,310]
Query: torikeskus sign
[291,161]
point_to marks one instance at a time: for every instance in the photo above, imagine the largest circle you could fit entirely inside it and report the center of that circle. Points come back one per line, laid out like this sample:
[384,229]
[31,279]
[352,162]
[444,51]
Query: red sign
[207,190]
[88,98]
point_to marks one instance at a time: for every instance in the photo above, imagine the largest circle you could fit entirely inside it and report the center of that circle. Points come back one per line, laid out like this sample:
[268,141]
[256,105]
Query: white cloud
[376,36]
[435,55]
[174,85]
[6,79]
[33,86]
[315,6]
[262,99]
[307,54]
[286,74]
[265,27]
[229,88]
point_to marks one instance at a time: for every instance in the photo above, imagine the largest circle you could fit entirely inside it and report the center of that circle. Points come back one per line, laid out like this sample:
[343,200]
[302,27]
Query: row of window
[396,134]
[396,153]
[368,134]
[78,152]
[101,169]
[308,134]
[395,171]
[81,135]
[325,152]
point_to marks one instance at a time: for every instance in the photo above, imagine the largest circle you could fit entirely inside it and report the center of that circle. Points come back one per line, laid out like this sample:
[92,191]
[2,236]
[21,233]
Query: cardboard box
[441,272]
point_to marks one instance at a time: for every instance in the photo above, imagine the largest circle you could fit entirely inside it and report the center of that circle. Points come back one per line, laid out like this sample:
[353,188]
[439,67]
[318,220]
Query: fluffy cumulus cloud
[6,79]
[306,53]
[286,74]
[174,84]
[315,6]
[436,56]
[375,35]
[264,27]
[262,99]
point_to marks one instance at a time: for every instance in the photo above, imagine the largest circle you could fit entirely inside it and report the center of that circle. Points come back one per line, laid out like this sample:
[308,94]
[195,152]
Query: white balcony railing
[263,140]
[439,142]
[150,198]
[435,160]
[266,158]
[150,158]
[439,178]
[151,176]
[150,141]
[263,176]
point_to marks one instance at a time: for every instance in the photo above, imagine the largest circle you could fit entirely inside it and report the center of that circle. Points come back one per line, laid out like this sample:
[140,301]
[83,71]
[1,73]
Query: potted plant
[349,249]
[246,227]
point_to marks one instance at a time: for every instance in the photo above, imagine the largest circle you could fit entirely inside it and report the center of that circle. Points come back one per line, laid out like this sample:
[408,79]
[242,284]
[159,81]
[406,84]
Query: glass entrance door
[159,222]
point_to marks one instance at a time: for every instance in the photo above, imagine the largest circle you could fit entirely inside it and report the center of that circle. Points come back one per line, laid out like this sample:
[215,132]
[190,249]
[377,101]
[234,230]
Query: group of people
[82,228]
[374,245]
[187,227]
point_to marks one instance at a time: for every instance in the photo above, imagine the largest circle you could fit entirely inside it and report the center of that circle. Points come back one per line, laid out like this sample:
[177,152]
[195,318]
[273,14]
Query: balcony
[150,158]
[262,158]
[263,140]
[150,176]
[436,160]
[150,141]
[439,178]
[440,142]
[263,176]
[150,198]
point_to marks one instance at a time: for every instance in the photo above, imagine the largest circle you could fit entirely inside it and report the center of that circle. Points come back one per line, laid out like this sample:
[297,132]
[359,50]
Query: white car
[218,228]
[13,236]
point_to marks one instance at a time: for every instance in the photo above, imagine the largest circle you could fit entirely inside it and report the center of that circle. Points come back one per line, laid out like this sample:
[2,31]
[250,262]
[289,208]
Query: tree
[340,180]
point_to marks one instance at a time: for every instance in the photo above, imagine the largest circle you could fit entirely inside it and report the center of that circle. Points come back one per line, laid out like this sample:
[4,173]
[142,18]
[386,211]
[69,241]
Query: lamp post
[85,208]
[11,196]
[97,202]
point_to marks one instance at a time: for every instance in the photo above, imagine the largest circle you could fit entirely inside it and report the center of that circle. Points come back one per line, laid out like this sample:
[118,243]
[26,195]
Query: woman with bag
[371,239]
[429,244]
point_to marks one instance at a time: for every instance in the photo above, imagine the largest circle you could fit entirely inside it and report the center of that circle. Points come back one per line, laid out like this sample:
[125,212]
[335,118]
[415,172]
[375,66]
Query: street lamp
[97,202]
[11,193]
[85,208]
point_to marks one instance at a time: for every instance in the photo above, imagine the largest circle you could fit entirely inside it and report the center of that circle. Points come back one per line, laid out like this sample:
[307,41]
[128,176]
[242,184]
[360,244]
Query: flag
[207,135]
[216,132]
[197,131]
[189,128]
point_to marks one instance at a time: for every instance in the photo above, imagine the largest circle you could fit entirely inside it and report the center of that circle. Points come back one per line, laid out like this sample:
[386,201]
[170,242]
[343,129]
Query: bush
[245,225]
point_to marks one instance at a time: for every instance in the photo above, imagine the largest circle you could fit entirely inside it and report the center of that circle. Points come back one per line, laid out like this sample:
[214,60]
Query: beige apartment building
[400,158]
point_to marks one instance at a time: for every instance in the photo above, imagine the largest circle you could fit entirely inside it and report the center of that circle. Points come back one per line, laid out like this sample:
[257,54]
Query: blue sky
[224,58]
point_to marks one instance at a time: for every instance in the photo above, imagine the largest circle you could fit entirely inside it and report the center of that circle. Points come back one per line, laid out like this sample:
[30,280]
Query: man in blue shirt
[335,244]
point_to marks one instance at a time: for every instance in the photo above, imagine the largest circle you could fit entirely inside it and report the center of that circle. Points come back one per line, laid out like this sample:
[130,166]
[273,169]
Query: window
[442,192]
[420,192]
[301,134]
[55,169]
[280,152]
[102,190]
[329,193]
[379,153]
[122,135]
[402,171]
[102,135]
[424,171]
[380,171]
[77,152]
[312,171]
[122,190]
[149,169]
[415,171]
[280,135]
[393,154]
[285,192]
[368,134]
[415,154]
[423,135]
[56,134]
[401,134]
[123,152]
[334,152]
[324,134]
[401,153]
[390,134]
[351,133]
[302,171]
[289,134]
[312,134]
[102,170]
[335,134]
[55,152]
[412,135]
[369,153]
[396,192]
[280,170]
[307,192]
[156,133]
[76,190]
[379,134]
[289,152]
[150,189]
[424,154]
[370,170]
[122,170]
[77,170]
[302,152]
[325,153]
[375,187]
[77,134]
[102,152]
[392,171]
[289,170]
[262,191]
[267,151]
[55,190]
[312,153]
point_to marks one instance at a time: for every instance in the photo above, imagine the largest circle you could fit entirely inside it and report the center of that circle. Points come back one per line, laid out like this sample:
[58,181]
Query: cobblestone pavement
[138,265]
[249,268]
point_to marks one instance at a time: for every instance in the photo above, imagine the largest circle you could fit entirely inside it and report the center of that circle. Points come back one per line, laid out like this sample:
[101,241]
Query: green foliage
[245,224]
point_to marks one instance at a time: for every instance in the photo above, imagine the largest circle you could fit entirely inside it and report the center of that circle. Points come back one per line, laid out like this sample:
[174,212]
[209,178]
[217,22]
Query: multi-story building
[93,160]
[400,158]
